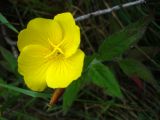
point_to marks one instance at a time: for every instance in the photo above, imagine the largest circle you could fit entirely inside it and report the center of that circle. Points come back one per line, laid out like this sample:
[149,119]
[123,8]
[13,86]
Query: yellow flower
[49,52]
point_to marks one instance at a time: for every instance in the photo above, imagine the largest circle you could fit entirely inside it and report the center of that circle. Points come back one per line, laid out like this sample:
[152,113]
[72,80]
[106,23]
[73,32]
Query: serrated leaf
[102,76]
[10,59]
[132,67]
[4,21]
[116,44]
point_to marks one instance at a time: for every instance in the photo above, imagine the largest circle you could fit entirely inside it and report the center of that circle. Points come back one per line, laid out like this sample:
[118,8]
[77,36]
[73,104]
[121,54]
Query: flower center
[56,49]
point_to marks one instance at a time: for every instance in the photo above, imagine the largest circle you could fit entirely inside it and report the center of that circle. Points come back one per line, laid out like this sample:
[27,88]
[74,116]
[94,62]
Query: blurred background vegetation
[137,69]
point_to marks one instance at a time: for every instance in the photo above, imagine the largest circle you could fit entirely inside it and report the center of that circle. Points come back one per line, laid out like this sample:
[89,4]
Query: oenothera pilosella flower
[49,52]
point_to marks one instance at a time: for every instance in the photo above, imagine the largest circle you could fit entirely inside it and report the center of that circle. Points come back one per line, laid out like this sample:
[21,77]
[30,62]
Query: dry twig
[109,10]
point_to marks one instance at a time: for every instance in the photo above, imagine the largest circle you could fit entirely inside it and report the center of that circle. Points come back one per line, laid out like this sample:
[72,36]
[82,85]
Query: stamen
[50,42]
[56,47]
[50,54]
[60,50]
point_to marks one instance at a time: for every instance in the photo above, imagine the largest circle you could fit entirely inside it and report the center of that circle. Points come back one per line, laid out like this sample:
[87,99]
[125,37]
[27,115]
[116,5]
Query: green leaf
[5,65]
[2,81]
[103,77]
[132,67]
[71,93]
[73,89]
[7,23]
[116,44]
[24,91]
[87,62]
[2,118]
[23,116]
[8,56]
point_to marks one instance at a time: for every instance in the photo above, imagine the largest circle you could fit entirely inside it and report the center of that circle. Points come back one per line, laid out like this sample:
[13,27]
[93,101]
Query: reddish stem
[56,95]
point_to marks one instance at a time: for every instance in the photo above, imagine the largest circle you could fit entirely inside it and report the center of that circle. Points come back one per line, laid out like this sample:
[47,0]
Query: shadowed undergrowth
[130,63]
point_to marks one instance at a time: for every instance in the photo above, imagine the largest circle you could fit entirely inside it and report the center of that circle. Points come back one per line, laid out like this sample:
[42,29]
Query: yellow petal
[33,66]
[71,33]
[38,32]
[63,71]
